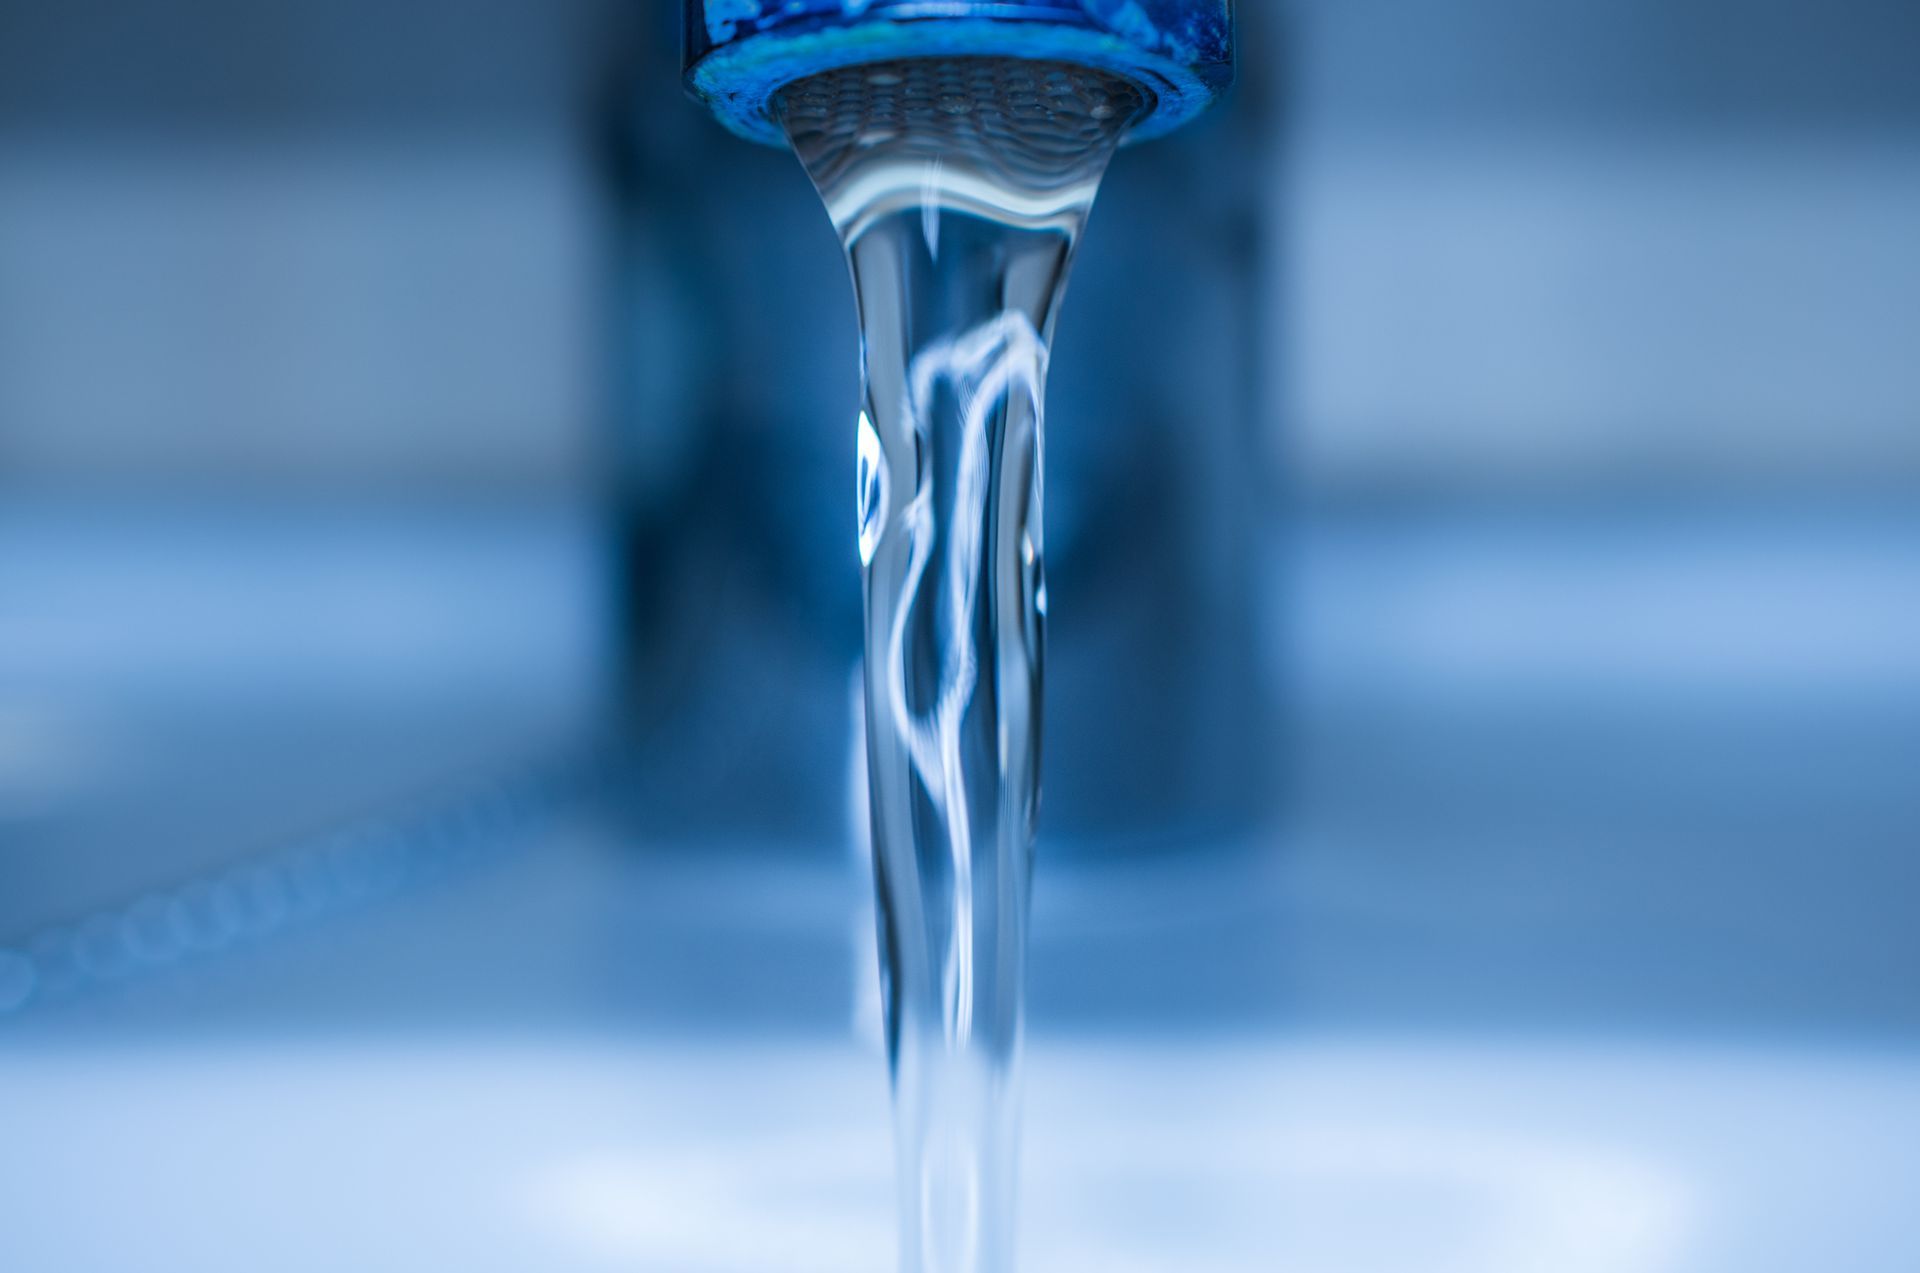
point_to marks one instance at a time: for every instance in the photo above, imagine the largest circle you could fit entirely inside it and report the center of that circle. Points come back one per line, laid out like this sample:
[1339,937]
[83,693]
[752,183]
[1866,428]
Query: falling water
[959,187]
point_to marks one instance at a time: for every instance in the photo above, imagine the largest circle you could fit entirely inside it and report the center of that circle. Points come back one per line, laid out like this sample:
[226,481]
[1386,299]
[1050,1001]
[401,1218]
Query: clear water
[959,188]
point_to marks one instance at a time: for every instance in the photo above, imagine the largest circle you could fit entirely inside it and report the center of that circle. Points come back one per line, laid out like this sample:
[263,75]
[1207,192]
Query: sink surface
[1326,1155]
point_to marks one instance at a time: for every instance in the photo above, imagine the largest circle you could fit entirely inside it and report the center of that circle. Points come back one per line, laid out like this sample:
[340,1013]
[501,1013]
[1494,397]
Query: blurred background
[1482,818]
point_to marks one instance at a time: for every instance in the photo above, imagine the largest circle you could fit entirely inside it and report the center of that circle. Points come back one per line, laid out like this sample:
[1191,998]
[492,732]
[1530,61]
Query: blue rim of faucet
[737,63]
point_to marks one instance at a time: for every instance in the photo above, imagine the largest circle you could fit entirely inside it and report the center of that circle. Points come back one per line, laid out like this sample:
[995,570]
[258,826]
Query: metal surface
[741,52]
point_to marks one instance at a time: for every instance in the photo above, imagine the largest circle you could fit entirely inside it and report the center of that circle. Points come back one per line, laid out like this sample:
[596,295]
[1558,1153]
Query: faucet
[741,53]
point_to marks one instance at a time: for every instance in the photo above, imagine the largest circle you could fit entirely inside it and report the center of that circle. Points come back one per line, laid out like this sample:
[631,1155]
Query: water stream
[959,187]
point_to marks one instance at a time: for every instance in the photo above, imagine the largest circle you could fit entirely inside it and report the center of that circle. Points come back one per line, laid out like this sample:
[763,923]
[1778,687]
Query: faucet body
[739,53]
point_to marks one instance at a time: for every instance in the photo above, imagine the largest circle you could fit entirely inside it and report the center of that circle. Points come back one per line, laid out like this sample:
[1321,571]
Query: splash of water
[959,187]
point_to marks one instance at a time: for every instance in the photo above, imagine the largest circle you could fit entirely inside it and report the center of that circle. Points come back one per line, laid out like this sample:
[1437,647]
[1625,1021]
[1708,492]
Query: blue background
[1481,827]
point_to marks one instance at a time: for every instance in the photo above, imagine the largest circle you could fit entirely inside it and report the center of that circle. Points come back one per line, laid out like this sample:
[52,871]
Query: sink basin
[1322,1155]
